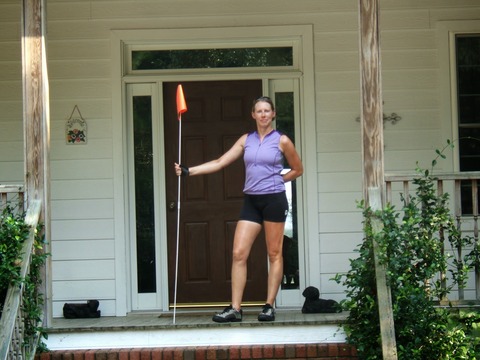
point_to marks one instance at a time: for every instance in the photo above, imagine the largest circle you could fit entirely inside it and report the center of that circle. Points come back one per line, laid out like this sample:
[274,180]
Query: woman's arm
[296,166]
[215,165]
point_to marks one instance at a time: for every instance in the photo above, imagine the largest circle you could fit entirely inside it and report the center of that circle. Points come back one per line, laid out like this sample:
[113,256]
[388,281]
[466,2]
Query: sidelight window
[468,99]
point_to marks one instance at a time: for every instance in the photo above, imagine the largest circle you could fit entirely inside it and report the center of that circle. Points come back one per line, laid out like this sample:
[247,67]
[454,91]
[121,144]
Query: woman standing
[265,202]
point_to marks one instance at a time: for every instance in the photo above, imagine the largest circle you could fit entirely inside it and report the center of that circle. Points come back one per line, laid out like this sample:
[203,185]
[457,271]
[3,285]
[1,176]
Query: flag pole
[178,216]
[181,108]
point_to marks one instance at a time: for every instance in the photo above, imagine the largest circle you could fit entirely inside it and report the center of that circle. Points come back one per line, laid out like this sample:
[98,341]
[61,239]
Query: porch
[195,336]
[194,328]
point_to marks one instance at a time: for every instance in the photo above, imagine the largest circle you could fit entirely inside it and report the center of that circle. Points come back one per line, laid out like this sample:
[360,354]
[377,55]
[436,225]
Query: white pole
[178,216]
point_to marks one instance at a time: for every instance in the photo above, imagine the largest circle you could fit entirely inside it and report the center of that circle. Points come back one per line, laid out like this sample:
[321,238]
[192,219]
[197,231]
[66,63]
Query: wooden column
[371,92]
[36,115]
[372,154]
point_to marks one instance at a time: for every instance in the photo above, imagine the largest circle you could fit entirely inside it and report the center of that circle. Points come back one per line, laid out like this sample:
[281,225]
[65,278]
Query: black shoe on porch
[267,313]
[229,314]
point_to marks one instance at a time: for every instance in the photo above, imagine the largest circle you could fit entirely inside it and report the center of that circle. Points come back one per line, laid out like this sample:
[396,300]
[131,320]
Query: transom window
[212,58]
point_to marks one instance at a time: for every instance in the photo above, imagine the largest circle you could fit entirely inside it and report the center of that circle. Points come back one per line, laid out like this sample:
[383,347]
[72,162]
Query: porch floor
[194,328]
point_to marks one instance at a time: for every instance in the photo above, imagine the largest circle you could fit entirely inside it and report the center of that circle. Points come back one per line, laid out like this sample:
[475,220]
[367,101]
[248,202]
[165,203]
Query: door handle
[172,206]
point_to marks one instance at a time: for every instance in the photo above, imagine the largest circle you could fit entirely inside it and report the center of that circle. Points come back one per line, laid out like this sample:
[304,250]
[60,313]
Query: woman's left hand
[291,155]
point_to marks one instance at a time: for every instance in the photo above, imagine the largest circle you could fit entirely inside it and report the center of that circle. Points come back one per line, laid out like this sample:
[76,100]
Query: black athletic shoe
[229,314]
[267,313]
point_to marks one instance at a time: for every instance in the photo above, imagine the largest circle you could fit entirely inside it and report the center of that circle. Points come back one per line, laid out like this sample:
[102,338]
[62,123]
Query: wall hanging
[76,128]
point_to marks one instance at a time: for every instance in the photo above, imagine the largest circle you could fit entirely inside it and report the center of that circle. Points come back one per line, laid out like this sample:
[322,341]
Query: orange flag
[181,104]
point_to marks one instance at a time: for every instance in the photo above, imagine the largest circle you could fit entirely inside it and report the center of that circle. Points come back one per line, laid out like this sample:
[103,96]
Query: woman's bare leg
[245,234]
[274,239]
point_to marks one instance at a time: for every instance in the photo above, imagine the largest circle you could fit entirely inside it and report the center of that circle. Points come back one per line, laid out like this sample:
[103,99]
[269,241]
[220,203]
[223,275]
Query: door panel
[218,114]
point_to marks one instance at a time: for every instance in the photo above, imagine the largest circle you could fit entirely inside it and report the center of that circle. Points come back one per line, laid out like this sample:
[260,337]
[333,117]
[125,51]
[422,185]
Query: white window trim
[446,32]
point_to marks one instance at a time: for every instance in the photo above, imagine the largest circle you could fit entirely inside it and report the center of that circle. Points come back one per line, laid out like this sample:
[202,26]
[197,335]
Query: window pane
[468,79]
[469,108]
[285,120]
[211,58]
[468,85]
[468,50]
[469,146]
[144,206]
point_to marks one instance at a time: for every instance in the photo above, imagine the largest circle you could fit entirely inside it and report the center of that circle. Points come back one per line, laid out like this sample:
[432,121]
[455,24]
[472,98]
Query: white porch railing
[12,195]
[13,342]
[466,218]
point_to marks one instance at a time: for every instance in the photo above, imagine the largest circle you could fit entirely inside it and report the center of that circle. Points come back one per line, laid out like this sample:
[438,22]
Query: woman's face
[263,113]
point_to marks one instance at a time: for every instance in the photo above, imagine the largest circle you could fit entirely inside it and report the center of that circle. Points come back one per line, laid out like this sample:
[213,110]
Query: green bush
[13,233]
[410,246]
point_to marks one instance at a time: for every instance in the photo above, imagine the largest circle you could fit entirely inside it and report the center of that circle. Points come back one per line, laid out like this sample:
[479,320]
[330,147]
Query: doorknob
[172,205]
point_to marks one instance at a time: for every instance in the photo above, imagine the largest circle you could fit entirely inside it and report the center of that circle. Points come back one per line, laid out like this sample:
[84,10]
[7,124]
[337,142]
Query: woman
[265,202]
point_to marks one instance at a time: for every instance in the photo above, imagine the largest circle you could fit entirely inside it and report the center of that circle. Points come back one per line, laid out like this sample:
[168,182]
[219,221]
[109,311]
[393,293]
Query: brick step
[339,351]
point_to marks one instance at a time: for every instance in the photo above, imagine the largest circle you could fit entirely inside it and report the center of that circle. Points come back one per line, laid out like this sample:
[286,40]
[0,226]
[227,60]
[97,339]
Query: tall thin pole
[178,217]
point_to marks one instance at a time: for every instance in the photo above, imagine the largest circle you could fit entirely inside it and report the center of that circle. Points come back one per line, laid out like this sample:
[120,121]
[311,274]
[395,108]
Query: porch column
[36,116]
[372,154]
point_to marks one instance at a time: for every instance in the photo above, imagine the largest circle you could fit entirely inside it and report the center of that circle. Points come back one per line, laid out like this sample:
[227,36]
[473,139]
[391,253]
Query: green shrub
[410,246]
[13,233]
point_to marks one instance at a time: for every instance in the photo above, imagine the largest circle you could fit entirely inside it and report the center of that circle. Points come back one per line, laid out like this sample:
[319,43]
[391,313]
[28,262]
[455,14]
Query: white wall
[79,66]
[11,133]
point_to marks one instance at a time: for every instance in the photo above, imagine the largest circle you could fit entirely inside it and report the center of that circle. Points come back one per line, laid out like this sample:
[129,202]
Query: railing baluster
[406,192]
[21,201]
[475,233]
[4,200]
[458,217]
[441,235]
[388,192]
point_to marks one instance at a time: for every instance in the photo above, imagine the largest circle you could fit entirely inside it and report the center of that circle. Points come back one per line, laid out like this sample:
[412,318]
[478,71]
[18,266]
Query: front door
[218,114]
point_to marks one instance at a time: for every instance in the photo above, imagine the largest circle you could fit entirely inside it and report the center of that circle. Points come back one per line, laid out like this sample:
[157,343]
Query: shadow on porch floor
[194,328]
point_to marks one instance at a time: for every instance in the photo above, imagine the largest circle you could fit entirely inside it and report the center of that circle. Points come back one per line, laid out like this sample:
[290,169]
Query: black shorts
[268,207]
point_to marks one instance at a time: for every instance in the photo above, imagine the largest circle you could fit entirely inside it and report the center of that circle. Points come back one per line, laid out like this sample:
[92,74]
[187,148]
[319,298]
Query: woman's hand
[178,170]
[293,160]
[181,170]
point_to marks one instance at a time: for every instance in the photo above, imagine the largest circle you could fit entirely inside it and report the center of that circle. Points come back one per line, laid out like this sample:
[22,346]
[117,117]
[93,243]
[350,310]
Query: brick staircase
[289,351]
[195,337]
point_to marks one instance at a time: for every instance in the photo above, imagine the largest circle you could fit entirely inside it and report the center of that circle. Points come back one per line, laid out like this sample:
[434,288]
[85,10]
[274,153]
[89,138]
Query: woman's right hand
[181,170]
[178,170]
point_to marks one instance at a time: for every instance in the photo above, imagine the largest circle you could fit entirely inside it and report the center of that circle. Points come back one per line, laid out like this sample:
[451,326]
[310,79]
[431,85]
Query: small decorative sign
[76,128]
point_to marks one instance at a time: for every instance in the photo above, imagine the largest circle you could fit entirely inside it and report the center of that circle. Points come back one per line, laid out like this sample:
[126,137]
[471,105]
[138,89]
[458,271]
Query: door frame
[300,37]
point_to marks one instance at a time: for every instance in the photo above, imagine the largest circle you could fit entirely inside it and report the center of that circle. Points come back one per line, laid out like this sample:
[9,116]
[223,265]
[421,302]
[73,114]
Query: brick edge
[339,351]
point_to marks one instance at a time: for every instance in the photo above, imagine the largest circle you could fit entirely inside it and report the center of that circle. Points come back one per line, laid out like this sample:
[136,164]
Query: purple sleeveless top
[263,164]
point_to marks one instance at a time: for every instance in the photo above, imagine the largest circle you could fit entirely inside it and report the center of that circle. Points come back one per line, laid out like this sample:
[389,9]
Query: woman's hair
[263,99]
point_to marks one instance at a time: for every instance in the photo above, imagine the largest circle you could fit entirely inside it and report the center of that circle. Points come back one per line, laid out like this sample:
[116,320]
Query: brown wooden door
[218,114]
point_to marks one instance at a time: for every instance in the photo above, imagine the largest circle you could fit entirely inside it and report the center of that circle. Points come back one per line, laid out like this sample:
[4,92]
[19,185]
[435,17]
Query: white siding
[83,206]
[11,133]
